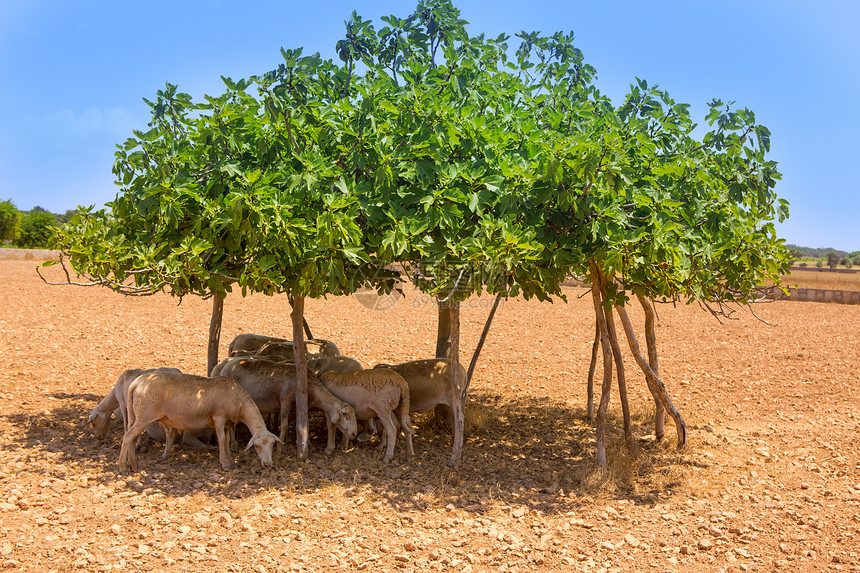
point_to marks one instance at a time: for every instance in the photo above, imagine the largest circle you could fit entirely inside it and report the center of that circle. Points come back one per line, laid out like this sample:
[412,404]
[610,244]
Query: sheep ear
[279,440]
[250,444]
[335,415]
[92,417]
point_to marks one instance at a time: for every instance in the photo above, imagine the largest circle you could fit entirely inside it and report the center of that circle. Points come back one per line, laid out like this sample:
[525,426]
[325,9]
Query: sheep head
[263,441]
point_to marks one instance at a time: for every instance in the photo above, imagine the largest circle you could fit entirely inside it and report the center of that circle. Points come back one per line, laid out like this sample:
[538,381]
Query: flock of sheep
[258,381]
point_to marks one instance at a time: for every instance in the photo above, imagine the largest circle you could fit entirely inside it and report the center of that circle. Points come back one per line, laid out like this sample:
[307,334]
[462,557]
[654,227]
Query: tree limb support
[651,342]
[658,390]
[595,348]
[478,348]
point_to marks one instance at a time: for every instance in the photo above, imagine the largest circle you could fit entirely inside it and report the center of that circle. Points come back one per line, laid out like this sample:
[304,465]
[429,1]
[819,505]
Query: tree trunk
[622,379]
[443,331]
[658,390]
[214,332]
[478,348]
[619,364]
[301,377]
[651,342]
[595,348]
[304,322]
[459,417]
[607,365]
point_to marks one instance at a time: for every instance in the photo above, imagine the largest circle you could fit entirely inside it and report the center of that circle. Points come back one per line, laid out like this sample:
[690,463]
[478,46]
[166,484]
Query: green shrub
[803,265]
[36,231]
[8,220]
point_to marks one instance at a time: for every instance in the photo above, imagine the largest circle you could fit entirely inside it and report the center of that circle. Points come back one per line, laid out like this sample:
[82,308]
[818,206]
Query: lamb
[114,403]
[183,402]
[272,386]
[376,393]
[314,348]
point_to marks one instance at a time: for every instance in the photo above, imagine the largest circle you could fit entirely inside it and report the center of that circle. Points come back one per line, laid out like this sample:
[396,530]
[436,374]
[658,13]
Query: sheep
[429,383]
[334,364]
[272,386]
[314,348]
[430,387]
[185,401]
[114,403]
[376,393]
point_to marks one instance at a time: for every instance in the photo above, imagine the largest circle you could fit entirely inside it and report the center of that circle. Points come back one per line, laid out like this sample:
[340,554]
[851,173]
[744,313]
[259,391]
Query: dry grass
[822,280]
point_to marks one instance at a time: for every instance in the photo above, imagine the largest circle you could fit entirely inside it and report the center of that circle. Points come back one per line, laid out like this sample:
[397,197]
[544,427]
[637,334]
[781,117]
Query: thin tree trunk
[595,348]
[443,331]
[304,322]
[621,375]
[301,377]
[651,342]
[607,365]
[215,332]
[658,390]
[619,365]
[459,417]
[478,348]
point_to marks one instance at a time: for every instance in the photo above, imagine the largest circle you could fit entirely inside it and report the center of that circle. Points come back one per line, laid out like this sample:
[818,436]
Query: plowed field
[770,479]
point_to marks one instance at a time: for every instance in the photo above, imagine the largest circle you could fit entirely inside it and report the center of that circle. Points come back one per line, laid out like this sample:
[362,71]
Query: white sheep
[315,347]
[376,393]
[114,403]
[430,387]
[184,402]
[272,385]
[429,383]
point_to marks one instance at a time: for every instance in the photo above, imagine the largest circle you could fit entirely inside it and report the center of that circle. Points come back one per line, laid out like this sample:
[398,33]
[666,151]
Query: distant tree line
[32,229]
[825,256]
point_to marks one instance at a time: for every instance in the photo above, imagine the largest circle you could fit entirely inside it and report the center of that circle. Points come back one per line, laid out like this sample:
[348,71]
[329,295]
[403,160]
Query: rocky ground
[770,480]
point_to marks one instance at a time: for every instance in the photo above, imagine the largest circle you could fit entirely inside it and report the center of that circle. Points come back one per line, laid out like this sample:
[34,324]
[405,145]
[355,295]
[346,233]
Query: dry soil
[770,479]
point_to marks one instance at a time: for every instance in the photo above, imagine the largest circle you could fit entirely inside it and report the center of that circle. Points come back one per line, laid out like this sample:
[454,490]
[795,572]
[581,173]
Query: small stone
[686,550]
[115,529]
[519,512]
[6,548]
[705,544]
[607,545]
[409,546]
[402,558]
[631,541]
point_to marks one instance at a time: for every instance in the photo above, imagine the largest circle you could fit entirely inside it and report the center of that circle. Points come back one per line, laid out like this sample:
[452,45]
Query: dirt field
[770,480]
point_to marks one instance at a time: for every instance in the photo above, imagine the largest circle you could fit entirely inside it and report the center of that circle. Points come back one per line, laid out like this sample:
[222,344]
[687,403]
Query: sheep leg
[286,409]
[224,454]
[406,425]
[192,439]
[169,436]
[127,455]
[331,438]
[387,419]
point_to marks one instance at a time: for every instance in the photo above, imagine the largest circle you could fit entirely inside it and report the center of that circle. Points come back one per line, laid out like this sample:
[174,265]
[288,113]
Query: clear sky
[72,75]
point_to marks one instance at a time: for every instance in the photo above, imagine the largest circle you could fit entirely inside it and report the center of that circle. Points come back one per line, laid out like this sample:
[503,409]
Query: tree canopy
[479,164]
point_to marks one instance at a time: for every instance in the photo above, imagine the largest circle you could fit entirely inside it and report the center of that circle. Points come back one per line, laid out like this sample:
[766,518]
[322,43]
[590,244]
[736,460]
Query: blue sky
[72,75]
